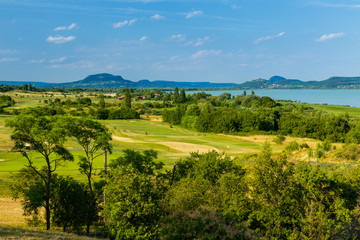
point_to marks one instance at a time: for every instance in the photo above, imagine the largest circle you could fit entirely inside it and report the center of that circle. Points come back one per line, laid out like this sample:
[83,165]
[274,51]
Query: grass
[334,109]
[29,234]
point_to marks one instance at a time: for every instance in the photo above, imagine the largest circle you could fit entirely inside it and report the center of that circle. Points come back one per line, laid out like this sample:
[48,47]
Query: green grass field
[172,143]
[334,109]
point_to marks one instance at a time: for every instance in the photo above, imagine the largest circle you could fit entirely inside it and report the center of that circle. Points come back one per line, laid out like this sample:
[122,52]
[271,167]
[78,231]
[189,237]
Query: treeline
[82,106]
[254,114]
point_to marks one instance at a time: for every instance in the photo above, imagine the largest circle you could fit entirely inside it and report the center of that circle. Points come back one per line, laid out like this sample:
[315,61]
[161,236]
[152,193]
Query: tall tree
[176,97]
[182,97]
[101,101]
[44,135]
[94,138]
[127,99]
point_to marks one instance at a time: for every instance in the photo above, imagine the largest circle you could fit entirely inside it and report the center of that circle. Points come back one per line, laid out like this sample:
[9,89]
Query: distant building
[142,97]
[121,97]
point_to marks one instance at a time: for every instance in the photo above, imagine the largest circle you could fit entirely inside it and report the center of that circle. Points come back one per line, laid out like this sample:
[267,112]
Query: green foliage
[349,152]
[292,146]
[45,135]
[326,145]
[209,180]
[101,101]
[127,99]
[6,101]
[70,204]
[202,224]
[176,96]
[275,197]
[133,206]
[319,151]
[142,163]
[123,113]
[279,139]
[310,153]
[94,138]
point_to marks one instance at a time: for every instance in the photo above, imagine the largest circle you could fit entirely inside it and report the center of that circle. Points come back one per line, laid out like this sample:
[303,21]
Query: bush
[279,139]
[202,224]
[319,152]
[292,146]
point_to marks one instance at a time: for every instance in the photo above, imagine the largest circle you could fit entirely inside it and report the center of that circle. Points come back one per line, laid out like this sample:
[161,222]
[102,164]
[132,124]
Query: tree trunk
[89,218]
[47,206]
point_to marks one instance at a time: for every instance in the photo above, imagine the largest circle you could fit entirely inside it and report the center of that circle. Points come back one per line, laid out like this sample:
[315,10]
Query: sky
[179,40]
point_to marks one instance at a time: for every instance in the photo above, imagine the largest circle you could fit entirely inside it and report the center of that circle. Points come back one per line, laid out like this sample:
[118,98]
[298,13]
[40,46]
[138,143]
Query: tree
[127,99]
[45,136]
[70,203]
[134,193]
[182,97]
[176,97]
[101,101]
[202,224]
[276,197]
[94,138]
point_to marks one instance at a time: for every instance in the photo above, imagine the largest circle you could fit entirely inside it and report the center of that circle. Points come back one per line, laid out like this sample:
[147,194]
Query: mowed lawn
[172,143]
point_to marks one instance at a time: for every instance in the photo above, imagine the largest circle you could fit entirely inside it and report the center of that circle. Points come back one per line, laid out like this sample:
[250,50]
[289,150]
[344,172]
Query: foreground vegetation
[234,187]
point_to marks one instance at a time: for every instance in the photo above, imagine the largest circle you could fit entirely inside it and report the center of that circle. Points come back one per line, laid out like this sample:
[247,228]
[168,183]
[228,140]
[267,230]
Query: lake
[349,97]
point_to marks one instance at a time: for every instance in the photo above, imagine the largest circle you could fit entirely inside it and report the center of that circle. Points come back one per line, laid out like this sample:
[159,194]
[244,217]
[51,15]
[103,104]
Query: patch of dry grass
[188,147]
[7,233]
[11,213]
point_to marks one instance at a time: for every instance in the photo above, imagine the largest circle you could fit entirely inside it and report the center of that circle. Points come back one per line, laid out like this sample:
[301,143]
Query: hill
[278,82]
[105,80]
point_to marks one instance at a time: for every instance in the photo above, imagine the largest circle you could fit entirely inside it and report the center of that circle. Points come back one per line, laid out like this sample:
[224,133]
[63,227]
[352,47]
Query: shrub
[292,146]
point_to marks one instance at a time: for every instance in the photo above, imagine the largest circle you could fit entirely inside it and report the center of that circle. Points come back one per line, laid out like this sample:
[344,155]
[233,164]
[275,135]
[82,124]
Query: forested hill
[105,80]
[278,82]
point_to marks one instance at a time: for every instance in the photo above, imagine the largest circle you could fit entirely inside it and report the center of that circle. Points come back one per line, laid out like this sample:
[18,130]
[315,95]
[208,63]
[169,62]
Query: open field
[334,109]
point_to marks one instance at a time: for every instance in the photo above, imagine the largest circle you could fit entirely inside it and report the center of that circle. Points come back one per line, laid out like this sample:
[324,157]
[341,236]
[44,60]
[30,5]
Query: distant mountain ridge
[278,82]
[106,80]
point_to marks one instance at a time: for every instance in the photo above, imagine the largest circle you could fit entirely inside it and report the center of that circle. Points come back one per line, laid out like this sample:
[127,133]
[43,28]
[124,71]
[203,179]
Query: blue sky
[179,40]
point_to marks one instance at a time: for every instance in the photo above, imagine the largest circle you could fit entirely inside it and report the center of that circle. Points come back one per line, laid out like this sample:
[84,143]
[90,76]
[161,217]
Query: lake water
[349,97]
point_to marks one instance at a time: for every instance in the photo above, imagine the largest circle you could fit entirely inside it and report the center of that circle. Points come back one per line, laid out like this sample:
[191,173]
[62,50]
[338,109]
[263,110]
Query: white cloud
[261,39]
[326,37]
[60,39]
[71,26]
[194,14]
[124,23]
[205,53]
[157,17]
[178,37]
[143,38]
[120,24]
[58,60]
[131,22]
[7,60]
[36,61]
[199,42]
